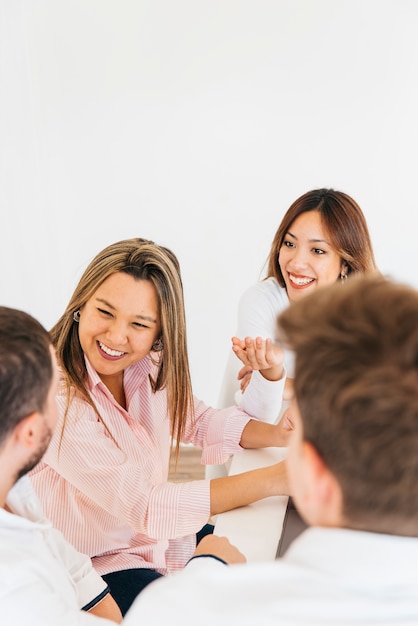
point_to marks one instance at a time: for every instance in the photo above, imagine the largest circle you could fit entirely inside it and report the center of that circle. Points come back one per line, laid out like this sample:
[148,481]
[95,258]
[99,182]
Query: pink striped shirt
[108,493]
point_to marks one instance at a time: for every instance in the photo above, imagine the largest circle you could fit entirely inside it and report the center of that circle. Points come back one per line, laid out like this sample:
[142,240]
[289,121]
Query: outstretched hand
[259,354]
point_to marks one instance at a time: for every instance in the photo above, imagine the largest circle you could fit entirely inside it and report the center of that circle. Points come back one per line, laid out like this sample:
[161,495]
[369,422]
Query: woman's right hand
[220,547]
[260,354]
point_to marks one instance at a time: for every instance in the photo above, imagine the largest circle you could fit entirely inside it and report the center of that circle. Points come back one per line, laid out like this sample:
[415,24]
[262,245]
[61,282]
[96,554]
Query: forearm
[258,434]
[230,492]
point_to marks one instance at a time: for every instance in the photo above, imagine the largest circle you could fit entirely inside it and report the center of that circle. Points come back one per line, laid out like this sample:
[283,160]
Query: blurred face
[294,459]
[315,490]
[118,325]
[306,258]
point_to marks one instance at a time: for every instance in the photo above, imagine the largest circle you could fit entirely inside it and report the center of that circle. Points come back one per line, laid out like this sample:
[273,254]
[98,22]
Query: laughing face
[307,259]
[118,326]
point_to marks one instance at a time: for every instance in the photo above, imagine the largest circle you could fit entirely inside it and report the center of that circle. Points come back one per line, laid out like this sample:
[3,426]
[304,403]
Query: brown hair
[25,368]
[356,385]
[344,223]
[144,260]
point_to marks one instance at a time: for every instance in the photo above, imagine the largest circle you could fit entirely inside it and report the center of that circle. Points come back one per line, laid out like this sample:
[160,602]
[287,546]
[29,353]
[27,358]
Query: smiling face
[307,258]
[118,326]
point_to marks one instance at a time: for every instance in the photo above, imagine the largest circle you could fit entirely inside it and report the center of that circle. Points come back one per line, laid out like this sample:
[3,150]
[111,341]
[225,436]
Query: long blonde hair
[143,260]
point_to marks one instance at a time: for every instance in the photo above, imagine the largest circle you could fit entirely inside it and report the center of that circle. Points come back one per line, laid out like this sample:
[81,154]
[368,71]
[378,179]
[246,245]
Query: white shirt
[43,580]
[328,577]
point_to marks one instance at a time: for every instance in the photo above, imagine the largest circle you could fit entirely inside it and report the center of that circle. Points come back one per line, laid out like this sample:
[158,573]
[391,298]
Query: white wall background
[196,123]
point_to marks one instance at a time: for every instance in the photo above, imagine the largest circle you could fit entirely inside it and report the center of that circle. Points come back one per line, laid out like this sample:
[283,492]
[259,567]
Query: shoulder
[23,501]
[265,290]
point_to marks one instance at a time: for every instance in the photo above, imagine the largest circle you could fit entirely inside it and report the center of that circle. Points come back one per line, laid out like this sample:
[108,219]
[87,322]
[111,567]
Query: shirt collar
[362,556]
[25,506]
[137,371]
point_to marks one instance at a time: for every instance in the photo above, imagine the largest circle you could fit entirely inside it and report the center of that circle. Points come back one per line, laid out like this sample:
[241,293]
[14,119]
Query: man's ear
[26,432]
[323,495]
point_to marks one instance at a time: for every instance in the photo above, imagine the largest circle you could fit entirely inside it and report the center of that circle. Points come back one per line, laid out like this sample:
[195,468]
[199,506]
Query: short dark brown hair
[25,368]
[356,385]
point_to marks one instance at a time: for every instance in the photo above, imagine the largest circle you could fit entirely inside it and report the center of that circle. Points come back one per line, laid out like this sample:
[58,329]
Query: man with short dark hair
[43,580]
[353,472]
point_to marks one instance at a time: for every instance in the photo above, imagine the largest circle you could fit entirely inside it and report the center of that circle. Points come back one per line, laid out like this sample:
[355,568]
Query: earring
[158,345]
[76,316]
[343,278]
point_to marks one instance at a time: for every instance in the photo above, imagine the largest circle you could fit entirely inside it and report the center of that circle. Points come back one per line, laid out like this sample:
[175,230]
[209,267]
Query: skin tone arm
[230,492]
[107,608]
[257,434]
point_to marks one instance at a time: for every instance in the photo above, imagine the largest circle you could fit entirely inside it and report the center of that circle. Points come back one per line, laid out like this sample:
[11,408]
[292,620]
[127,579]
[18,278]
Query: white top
[259,307]
[258,310]
[44,581]
[328,577]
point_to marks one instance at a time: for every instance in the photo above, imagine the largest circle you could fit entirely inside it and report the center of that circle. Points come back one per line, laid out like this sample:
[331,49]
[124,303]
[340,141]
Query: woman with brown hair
[323,238]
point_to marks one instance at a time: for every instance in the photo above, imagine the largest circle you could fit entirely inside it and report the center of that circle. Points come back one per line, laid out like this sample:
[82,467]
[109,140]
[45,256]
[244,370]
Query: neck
[9,472]
[4,490]
[115,386]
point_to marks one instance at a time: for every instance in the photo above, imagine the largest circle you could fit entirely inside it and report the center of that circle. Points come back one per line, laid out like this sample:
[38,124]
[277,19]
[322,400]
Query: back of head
[344,222]
[356,385]
[25,368]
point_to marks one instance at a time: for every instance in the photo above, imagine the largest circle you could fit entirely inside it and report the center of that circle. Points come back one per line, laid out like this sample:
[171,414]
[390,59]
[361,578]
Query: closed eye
[138,325]
[104,312]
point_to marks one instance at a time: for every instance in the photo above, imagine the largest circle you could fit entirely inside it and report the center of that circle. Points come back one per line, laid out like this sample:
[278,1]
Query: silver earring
[343,278]
[158,345]
[76,316]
